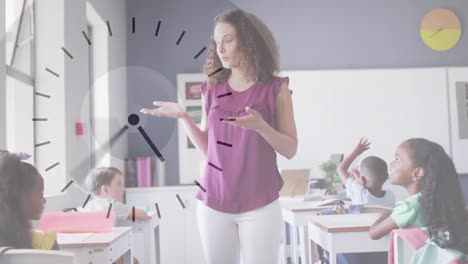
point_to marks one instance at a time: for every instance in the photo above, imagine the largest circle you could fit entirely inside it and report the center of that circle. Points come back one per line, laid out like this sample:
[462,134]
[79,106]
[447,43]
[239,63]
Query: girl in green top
[436,200]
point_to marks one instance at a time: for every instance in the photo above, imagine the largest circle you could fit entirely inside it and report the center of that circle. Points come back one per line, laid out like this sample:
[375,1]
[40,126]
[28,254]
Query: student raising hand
[362,146]
[343,167]
[363,184]
[357,176]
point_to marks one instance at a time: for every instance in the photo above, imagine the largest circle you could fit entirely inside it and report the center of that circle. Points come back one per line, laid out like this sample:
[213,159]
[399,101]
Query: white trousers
[254,236]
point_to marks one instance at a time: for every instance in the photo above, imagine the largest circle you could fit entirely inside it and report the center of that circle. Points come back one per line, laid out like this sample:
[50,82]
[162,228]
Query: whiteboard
[334,108]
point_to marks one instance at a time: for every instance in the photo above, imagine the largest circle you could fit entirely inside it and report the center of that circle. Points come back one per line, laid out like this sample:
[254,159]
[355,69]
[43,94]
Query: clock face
[141,127]
[440,29]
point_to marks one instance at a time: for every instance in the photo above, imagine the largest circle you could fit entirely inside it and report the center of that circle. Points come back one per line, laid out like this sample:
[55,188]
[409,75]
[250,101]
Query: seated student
[21,200]
[365,186]
[107,185]
[436,201]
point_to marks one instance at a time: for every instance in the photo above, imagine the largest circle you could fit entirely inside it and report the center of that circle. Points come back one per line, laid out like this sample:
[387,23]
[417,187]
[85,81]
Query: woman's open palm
[165,109]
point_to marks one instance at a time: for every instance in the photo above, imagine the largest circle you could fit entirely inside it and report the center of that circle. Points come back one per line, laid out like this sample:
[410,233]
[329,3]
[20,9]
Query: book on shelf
[144,171]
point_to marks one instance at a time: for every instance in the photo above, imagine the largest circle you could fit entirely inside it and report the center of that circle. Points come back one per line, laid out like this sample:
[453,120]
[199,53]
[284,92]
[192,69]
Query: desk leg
[332,256]
[128,256]
[295,244]
[282,253]
[304,244]
[149,245]
[288,244]
[311,252]
[157,245]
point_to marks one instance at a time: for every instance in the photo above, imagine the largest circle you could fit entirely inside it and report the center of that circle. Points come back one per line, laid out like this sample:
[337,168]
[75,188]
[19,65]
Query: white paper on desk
[328,202]
[72,238]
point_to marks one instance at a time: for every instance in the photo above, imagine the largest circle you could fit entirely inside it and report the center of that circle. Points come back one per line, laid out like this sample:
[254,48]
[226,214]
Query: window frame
[14,73]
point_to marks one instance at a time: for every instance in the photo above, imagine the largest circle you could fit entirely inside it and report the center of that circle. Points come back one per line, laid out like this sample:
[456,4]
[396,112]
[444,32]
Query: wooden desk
[345,234]
[146,247]
[99,248]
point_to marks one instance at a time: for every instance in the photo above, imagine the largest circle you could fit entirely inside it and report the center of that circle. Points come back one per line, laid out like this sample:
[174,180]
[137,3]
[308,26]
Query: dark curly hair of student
[256,44]
[15,180]
[441,199]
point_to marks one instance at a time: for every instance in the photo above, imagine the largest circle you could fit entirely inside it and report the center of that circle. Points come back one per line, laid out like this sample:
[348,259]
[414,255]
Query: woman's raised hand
[165,109]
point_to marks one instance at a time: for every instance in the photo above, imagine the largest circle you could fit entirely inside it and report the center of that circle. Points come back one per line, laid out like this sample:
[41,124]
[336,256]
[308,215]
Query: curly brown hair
[257,46]
[441,196]
[15,181]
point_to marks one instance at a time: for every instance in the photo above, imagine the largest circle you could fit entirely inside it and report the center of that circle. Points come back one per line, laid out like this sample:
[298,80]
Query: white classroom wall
[110,74]
[333,109]
[76,85]
[71,90]
[50,30]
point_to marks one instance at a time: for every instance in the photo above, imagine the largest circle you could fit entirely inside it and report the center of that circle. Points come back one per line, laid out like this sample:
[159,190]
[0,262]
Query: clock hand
[148,140]
[98,154]
[133,120]
[114,138]
[437,32]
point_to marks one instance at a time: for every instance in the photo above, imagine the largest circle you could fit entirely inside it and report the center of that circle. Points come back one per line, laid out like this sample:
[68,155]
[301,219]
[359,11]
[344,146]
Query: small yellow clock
[440,29]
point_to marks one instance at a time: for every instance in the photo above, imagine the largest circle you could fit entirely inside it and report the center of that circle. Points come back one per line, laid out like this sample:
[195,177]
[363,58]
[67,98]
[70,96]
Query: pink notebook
[77,222]
[144,171]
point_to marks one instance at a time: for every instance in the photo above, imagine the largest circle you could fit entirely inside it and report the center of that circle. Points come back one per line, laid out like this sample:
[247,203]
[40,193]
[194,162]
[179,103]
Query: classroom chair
[403,250]
[412,245]
[295,182]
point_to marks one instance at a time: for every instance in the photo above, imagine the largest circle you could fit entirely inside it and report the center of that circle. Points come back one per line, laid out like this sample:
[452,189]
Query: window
[19,30]
[19,45]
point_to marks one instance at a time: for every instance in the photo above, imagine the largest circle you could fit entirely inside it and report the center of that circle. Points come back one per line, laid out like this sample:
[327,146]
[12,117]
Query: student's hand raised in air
[362,146]
[165,109]
[354,173]
[253,120]
[357,176]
